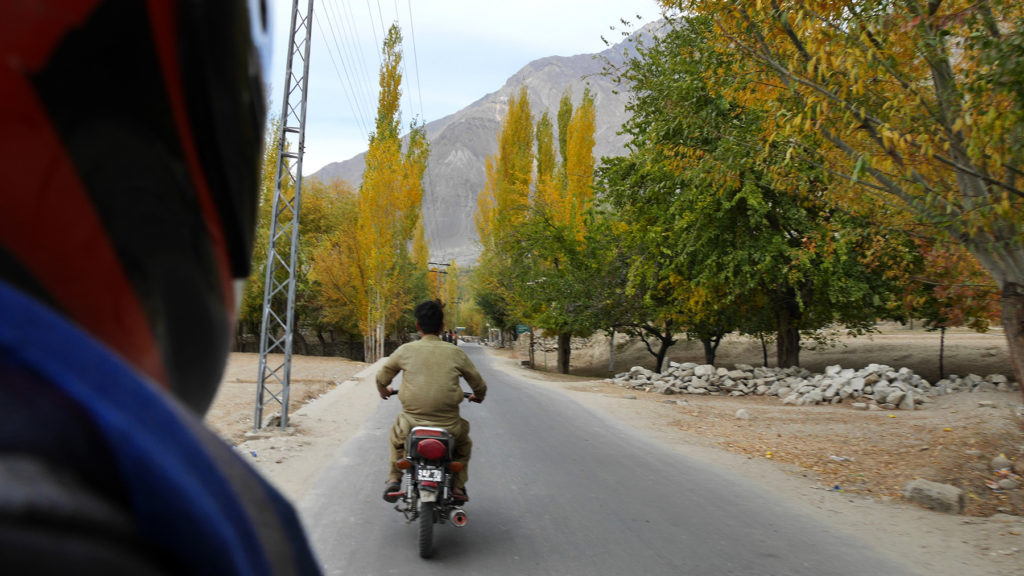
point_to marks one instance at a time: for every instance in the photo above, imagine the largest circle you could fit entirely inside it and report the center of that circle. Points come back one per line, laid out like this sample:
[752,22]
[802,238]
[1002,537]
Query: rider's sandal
[392,492]
[460,495]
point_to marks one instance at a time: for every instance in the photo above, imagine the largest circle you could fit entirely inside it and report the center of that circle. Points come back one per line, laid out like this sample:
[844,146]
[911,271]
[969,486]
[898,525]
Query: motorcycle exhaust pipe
[459,518]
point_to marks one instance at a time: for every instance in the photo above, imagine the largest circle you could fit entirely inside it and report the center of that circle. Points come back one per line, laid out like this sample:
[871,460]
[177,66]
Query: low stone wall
[873,387]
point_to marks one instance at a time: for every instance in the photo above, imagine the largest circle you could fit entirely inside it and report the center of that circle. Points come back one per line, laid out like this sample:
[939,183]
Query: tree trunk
[298,343]
[564,350]
[787,346]
[942,352]
[764,351]
[1012,317]
[323,342]
[659,358]
[710,348]
[611,352]
[532,355]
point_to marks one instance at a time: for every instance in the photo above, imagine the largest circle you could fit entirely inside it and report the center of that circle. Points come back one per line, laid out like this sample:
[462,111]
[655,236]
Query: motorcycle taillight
[431,449]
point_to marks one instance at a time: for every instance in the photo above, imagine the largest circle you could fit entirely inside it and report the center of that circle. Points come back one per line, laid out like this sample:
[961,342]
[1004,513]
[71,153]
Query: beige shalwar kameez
[430,395]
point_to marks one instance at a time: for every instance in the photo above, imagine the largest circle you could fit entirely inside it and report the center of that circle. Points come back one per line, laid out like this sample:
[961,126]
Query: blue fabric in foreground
[180,497]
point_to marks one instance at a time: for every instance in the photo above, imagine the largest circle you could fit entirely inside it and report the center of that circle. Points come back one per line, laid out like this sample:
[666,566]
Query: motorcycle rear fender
[420,432]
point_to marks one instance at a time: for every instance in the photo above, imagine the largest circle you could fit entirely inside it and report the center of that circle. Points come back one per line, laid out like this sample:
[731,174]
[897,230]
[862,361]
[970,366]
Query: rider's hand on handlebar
[388,392]
[475,398]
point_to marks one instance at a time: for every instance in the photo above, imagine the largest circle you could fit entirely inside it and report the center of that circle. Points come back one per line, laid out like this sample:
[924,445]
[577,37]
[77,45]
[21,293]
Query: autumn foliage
[918,104]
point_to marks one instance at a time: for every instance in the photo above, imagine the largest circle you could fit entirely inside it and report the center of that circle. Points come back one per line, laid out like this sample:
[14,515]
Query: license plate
[430,474]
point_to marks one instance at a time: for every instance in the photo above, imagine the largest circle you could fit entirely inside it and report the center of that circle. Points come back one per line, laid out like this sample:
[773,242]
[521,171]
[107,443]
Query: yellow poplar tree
[420,247]
[485,206]
[549,194]
[390,200]
[579,163]
[514,164]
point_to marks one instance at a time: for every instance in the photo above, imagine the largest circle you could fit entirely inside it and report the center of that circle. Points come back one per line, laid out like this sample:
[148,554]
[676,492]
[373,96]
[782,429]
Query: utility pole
[439,272]
[282,251]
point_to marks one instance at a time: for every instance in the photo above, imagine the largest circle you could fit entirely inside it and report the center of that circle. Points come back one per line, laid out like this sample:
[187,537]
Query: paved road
[557,489]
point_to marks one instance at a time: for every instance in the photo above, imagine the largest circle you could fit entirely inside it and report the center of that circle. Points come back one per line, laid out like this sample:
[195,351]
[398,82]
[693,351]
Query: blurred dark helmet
[131,137]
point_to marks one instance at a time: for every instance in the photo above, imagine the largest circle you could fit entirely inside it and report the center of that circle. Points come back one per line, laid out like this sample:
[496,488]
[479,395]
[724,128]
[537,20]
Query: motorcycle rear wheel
[426,529]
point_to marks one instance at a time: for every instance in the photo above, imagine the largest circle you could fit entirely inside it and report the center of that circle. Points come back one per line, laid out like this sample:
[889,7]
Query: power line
[415,58]
[347,86]
[374,30]
[356,55]
[358,82]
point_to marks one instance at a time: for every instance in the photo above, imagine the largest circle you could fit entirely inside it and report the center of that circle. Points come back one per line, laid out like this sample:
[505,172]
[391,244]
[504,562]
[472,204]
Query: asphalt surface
[557,489]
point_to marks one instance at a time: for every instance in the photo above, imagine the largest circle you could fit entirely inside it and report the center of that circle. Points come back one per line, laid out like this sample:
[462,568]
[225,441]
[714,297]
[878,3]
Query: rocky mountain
[460,143]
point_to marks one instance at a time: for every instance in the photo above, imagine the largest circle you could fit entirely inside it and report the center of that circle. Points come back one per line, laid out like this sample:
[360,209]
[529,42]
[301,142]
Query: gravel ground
[234,407]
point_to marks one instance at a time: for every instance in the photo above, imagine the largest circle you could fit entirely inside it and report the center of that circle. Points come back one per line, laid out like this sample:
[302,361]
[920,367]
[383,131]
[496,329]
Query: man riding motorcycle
[430,393]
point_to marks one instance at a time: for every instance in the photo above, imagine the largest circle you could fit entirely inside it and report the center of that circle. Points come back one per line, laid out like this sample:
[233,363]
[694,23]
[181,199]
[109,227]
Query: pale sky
[455,52]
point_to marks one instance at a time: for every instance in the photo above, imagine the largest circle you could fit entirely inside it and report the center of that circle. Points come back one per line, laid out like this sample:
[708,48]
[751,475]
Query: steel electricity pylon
[276,331]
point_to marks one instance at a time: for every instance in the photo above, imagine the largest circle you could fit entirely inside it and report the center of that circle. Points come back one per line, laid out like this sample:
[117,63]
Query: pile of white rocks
[876,386]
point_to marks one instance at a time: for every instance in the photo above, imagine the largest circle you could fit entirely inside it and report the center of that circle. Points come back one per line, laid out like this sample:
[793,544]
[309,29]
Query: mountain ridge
[461,142]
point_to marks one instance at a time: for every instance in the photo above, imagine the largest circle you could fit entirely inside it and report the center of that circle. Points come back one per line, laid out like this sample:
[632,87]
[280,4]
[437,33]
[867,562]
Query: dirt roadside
[950,441]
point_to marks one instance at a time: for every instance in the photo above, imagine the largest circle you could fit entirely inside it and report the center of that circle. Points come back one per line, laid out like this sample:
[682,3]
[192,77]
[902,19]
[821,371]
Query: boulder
[743,414]
[881,393]
[698,383]
[895,397]
[663,388]
[832,390]
[1008,484]
[908,402]
[704,370]
[812,398]
[984,387]
[935,496]
[1001,462]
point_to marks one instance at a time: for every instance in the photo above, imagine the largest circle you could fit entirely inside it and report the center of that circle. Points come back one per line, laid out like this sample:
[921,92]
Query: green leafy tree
[722,233]
[919,103]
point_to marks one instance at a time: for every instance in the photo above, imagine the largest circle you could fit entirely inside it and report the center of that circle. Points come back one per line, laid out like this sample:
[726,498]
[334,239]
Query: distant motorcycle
[426,491]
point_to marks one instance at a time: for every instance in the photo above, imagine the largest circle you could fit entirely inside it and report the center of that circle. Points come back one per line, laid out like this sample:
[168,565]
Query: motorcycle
[426,492]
